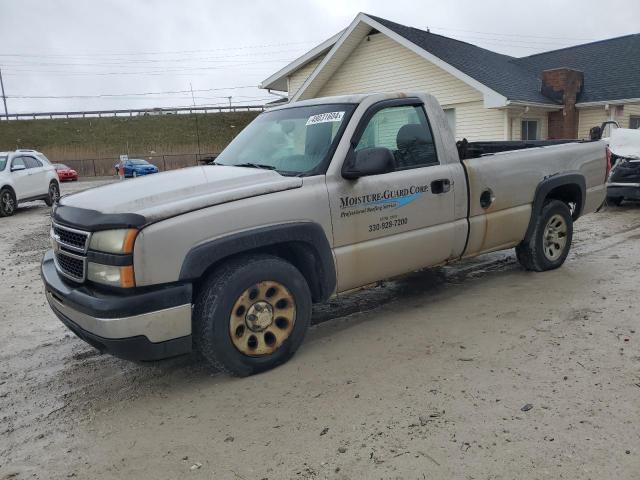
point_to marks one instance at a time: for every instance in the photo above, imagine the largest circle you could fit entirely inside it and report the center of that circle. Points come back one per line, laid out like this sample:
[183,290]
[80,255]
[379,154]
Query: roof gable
[355,33]
[611,67]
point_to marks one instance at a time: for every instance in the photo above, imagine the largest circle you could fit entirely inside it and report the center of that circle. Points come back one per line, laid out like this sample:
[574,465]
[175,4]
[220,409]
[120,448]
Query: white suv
[26,175]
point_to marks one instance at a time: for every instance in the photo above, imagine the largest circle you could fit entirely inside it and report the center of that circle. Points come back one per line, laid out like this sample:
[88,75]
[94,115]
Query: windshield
[60,166]
[3,163]
[138,162]
[292,141]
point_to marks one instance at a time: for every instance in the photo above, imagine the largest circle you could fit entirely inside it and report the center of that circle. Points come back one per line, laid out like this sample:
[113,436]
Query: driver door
[22,180]
[396,222]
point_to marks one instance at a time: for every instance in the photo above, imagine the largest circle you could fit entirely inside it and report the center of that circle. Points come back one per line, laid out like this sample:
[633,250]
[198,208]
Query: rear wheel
[251,314]
[617,201]
[8,203]
[54,193]
[550,240]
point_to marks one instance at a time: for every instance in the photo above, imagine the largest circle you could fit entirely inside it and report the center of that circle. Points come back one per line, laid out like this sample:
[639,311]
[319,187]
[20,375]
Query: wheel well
[300,254]
[571,194]
[10,188]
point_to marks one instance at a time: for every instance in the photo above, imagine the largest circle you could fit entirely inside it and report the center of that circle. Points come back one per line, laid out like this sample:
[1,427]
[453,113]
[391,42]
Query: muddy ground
[474,371]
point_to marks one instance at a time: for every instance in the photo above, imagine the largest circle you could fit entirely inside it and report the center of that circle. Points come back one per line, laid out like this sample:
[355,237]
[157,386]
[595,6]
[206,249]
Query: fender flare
[322,277]
[546,186]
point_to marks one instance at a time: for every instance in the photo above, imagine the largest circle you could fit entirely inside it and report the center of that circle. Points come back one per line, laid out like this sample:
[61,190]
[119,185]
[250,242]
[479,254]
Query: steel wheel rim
[555,237]
[7,203]
[262,319]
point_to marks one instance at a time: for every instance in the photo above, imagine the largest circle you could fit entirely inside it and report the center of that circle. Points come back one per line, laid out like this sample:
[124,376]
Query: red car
[65,173]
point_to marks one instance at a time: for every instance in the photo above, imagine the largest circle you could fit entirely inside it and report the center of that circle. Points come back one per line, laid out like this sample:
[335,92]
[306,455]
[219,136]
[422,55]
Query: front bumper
[149,324]
[626,190]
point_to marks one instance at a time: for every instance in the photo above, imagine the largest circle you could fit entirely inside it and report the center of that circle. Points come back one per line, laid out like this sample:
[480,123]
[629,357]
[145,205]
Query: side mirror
[369,161]
[17,168]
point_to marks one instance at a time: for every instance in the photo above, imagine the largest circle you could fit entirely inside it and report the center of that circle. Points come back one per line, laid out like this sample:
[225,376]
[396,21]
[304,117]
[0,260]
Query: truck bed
[468,149]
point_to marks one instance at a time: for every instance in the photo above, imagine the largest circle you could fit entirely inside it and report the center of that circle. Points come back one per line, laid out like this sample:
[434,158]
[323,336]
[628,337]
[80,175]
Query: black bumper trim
[132,348]
[108,305]
[626,192]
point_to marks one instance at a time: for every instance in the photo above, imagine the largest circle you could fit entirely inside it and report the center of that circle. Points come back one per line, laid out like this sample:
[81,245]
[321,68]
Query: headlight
[111,275]
[114,241]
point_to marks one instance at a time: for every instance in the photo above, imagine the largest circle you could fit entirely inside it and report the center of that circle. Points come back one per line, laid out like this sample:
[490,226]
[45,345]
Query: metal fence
[132,112]
[106,166]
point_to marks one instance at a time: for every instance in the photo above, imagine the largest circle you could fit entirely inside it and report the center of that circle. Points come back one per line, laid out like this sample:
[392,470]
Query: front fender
[205,255]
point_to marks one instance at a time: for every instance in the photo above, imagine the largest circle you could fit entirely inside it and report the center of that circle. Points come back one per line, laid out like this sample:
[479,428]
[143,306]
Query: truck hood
[169,194]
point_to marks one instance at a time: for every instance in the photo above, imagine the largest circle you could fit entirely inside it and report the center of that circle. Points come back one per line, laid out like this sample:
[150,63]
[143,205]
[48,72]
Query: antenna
[196,113]
[4,97]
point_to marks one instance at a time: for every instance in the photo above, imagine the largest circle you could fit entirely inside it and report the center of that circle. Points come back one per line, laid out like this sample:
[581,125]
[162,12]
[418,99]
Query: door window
[529,130]
[31,162]
[406,132]
[18,162]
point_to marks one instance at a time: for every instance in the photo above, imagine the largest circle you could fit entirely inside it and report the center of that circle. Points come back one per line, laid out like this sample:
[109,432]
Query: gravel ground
[475,371]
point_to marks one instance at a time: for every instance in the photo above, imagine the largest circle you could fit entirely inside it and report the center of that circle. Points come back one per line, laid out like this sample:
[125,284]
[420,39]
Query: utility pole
[229,101]
[196,113]
[4,97]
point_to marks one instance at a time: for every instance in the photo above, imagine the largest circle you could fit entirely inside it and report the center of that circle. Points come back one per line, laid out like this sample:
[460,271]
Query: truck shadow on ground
[102,377]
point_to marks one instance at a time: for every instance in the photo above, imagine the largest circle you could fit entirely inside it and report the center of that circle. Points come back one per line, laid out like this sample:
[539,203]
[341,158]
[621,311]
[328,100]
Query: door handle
[442,185]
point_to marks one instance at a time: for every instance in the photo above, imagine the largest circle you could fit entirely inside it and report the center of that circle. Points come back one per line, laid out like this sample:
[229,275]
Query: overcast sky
[65,48]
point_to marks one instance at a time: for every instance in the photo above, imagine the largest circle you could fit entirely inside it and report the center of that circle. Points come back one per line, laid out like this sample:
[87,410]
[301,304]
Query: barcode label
[325,117]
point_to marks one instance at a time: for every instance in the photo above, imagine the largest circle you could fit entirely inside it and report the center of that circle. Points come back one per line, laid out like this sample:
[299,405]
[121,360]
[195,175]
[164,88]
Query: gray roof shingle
[611,67]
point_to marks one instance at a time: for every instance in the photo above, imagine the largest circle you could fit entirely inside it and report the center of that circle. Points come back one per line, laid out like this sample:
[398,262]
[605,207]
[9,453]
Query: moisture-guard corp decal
[375,202]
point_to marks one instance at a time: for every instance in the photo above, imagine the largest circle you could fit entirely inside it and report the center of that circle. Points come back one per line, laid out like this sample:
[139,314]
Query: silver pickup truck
[312,199]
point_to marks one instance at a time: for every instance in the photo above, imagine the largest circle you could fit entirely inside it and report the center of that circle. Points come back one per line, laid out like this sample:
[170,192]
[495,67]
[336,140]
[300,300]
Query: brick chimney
[563,85]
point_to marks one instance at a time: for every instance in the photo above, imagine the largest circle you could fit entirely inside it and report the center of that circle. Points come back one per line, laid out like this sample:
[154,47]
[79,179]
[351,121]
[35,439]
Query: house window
[634,122]
[529,130]
[450,113]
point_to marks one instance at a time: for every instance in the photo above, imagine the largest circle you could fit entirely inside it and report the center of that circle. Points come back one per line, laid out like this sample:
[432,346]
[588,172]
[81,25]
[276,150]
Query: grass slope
[106,136]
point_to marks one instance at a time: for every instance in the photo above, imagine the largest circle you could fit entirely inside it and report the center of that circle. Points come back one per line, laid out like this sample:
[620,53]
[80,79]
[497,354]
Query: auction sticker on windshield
[325,117]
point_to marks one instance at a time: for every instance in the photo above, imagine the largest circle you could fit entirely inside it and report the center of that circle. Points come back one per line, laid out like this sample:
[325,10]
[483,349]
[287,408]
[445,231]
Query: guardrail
[131,113]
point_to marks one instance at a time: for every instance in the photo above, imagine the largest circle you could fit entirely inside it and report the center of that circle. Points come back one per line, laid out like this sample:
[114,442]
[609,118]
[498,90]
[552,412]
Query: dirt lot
[419,378]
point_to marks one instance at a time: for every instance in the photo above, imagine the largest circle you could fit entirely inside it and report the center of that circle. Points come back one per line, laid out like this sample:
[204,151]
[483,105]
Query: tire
[550,240]
[223,311]
[616,201]
[54,193]
[8,202]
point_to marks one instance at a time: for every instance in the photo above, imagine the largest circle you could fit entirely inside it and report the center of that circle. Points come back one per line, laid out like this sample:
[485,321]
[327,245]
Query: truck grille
[70,247]
[73,239]
[71,266]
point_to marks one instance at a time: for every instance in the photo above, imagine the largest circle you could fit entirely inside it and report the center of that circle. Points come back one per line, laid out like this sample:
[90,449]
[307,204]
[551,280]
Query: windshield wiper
[254,165]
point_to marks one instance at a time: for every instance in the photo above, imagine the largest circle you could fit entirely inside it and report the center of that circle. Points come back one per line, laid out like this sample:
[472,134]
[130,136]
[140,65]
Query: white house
[486,95]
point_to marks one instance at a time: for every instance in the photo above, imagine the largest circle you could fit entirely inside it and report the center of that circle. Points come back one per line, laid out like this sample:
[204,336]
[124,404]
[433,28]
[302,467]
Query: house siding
[476,123]
[383,65]
[590,117]
[297,78]
[629,110]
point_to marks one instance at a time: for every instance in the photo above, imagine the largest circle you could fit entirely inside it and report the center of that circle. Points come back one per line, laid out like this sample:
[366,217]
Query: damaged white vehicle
[624,157]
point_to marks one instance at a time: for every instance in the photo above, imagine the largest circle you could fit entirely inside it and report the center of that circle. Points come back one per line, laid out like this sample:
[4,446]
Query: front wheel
[8,203]
[550,240]
[54,194]
[251,314]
